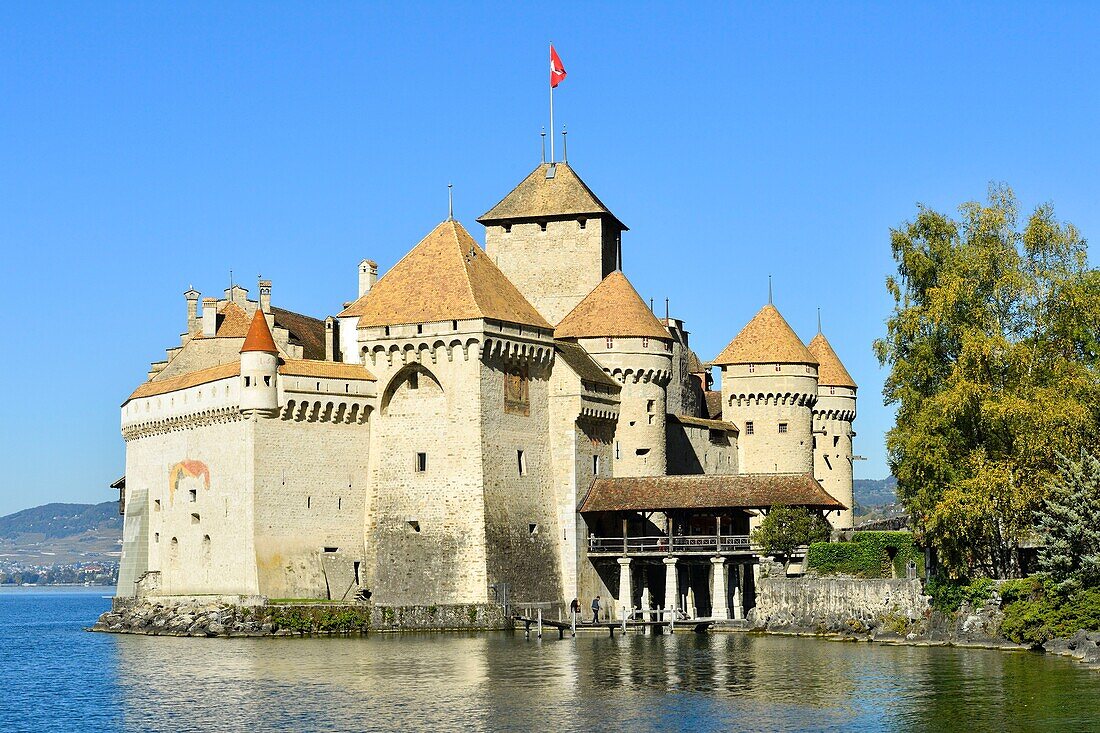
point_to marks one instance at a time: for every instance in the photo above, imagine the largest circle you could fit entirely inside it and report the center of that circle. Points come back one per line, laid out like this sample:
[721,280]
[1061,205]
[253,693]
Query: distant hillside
[875,491]
[61,533]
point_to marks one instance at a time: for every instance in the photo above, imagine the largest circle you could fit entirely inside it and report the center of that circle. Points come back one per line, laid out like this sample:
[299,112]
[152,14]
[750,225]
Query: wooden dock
[698,625]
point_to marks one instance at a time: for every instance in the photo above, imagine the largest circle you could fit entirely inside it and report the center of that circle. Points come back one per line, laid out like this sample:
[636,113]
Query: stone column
[718,607]
[645,595]
[738,579]
[626,591]
[672,591]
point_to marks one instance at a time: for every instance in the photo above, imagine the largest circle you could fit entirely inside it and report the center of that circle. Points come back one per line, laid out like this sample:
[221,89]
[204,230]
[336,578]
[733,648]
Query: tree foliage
[1069,521]
[786,528]
[992,348]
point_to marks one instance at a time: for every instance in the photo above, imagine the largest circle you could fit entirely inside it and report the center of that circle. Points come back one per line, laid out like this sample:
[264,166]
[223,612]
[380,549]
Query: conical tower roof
[766,339]
[552,189]
[613,308]
[447,276]
[830,370]
[258,337]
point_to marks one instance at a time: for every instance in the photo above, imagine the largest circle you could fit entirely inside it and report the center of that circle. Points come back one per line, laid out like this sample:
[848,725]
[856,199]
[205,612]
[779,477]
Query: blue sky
[148,147]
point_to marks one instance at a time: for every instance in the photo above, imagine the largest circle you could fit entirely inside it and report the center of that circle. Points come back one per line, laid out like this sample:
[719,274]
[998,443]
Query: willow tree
[992,348]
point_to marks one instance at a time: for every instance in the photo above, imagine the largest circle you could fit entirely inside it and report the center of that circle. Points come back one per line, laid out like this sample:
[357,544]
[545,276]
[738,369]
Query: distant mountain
[871,492]
[61,533]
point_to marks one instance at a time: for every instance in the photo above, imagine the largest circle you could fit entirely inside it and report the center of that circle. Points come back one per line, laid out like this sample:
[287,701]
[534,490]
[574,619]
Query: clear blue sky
[148,147]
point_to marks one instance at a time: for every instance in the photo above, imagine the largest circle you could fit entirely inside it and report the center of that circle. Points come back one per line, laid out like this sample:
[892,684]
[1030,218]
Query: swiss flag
[557,71]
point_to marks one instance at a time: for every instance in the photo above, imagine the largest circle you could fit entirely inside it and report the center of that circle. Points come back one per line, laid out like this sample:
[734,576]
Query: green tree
[785,528]
[992,348]
[1069,522]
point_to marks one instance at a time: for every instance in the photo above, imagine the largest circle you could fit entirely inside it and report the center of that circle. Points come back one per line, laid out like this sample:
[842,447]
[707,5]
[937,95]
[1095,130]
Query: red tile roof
[744,491]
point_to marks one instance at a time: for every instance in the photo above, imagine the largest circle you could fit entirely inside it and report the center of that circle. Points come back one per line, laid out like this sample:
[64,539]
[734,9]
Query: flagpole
[551,82]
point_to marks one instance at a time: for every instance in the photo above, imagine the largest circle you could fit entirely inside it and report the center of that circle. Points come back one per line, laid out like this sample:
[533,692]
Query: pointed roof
[830,370]
[234,323]
[447,276]
[613,308]
[542,195]
[766,339]
[259,336]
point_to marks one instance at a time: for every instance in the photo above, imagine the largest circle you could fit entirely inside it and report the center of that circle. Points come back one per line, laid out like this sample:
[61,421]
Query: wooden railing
[663,545]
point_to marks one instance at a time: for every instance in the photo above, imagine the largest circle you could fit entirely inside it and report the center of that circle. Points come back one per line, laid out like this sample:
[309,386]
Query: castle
[507,422]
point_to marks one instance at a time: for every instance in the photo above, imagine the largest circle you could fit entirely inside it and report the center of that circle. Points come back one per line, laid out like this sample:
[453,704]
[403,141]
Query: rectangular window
[778,368]
[517,392]
[156,505]
[595,465]
[752,368]
[267,381]
[521,463]
[610,342]
[414,381]
[194,519]
[618,453]
[248,381]
[645,342]
[748,428]
[782,427]
[650,405]
[832,390]
[421,462]
[192,495]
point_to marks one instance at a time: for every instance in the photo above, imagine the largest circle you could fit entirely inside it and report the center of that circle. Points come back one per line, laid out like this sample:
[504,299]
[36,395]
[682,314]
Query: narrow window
[532,529]
[156,537]
[331,549]
[610,342]
[420,328]
[309,502]
[413,525]
[192,495]
[507,228]
[421,464]
[414,381]
[318,386]
[521,462]
[645,342]
[387,330]
[156,505]
[832,390]
[650,405]
[752,368]
[778,368]
[595,465]
[782,427]
[836,440]
[583,223]
[454,325]
[618,453]
[248,381]
[347,388]
[748,428]
[267,381]
[194,519]
[542,226]
[339,503]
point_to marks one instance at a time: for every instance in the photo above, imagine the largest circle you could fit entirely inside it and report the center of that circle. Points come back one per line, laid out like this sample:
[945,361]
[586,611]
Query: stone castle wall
[768,399]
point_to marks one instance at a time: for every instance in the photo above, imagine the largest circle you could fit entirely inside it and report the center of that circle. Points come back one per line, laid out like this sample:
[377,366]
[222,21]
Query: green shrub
[867,555]
[948,595]
[1035,611]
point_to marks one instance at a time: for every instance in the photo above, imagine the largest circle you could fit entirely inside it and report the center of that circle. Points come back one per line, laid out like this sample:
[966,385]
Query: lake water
[56,677]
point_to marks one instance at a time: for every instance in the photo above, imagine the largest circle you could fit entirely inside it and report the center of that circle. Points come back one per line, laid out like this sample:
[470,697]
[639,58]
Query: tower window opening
[542,226]
[645,342]
[421,463]
[748,428]
[267,381]
[532,529]
[339,503]
[414,381]
[752,368]
[156,537]
[583,223]
[318,386]
[193,495]
[156,505]
[248,381]
[595,465]
[309,502]
[414,525]
[610,342]
[782,427]
[650,405]
[836,440]
[387,330]
[521,462]
[618,452]
[507,228]
[331,549]
[454,325]
[194,519]
[778,367]
[420,328]
[832,390]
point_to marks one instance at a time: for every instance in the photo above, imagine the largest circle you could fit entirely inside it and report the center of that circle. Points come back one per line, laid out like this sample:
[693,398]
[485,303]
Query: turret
[769,387]
[833,416]
[259,369]
[614,325]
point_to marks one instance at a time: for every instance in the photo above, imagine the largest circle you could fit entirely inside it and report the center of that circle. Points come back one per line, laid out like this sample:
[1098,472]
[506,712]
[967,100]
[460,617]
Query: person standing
[596,610]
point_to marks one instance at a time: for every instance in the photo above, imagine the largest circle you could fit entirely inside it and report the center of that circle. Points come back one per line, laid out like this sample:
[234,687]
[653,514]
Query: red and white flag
[557,71]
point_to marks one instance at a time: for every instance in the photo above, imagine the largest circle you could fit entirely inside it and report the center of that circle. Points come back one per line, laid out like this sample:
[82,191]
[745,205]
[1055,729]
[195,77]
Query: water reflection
[500,682]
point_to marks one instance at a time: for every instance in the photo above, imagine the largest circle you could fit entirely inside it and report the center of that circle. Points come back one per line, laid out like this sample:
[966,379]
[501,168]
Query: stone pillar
[718,607]
[672,591]
[626,590]
[738,579]
[645,595]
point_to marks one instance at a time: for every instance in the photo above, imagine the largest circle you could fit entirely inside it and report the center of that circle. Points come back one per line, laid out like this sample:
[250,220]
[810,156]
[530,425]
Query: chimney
[209,317]
[265,296]
[368,276]
[332,339]
[192,296]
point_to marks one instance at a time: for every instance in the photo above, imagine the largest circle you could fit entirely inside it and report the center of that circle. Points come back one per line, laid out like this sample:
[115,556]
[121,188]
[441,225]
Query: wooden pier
[698,625]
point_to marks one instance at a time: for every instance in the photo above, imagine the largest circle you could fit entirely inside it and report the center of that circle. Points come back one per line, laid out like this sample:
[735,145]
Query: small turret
[259,368]
[617,329]
[833,416]
[769,387]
